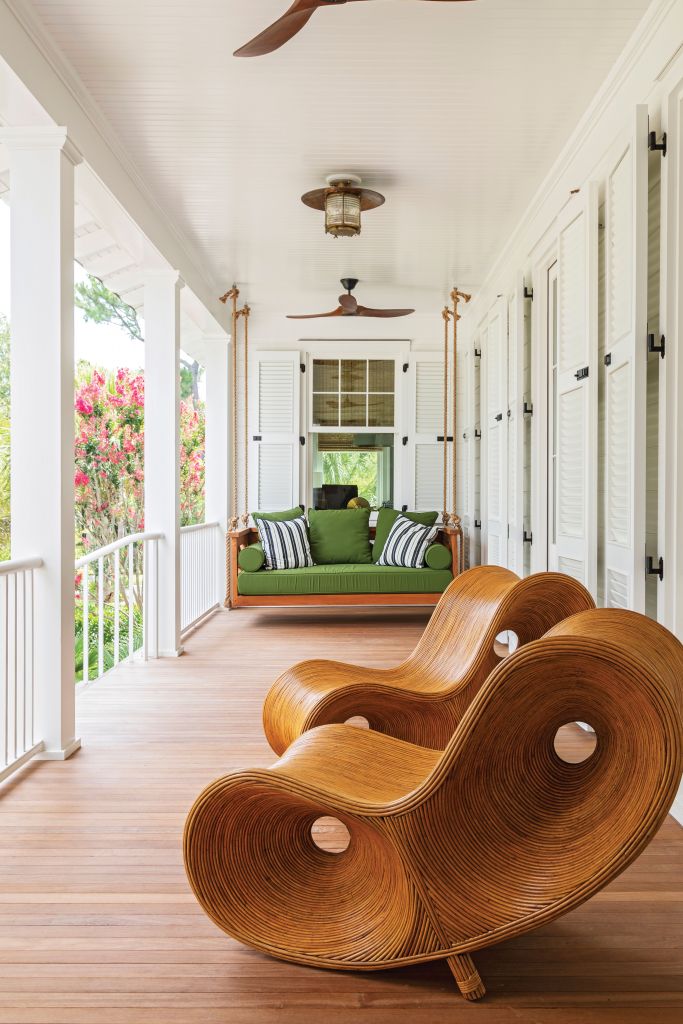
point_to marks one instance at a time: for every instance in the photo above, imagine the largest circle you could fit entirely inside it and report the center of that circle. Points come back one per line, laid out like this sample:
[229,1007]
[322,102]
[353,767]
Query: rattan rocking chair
[458,850]
[423,699]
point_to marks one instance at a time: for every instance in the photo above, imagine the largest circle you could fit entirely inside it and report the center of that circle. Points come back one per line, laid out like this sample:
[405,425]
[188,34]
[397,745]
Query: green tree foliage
[353,468]
[99,305]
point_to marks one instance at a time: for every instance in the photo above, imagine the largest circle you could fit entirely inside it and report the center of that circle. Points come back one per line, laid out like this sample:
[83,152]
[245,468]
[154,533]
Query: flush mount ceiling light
[342,202]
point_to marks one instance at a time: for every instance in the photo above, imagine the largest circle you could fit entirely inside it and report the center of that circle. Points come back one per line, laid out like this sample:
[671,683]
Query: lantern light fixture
[343,202]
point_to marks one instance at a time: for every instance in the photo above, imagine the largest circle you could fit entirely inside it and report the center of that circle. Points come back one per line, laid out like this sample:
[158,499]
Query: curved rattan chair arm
[315,693]
[423,699]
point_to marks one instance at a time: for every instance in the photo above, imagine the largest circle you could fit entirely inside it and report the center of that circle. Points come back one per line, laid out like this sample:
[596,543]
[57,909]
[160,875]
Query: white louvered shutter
[626,231]
[463,482]
[472,454]
[515,462]
[274,418]
[576,414]
[494,439]
[426,456]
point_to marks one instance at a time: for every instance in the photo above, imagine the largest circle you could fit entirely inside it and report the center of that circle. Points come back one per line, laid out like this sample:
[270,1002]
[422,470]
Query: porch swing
[251,585]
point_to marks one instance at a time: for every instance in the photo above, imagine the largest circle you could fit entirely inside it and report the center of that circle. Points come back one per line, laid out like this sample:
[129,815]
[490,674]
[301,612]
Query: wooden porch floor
[98,926]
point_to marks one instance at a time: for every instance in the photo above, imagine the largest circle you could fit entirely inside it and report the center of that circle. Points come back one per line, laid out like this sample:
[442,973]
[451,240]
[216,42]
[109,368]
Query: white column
[41,164]
[162,444]
[217,486]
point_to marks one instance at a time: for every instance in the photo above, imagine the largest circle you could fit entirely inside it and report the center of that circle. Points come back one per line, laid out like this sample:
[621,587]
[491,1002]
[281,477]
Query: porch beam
[41,163]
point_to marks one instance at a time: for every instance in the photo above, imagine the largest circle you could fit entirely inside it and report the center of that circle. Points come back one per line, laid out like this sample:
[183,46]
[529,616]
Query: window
[353,393]
[346,465]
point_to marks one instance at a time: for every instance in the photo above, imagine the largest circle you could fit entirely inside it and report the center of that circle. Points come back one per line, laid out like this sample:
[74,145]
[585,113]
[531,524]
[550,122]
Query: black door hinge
[477,434]
[477,524]
[302,367]
[654,146]
[652,570]
[527,538]
[302,441]
[652,347]
[440,439]
[257,437]
[582,373]
[477,353]
[405,442]
[528,293]
[608,359]
[527,410]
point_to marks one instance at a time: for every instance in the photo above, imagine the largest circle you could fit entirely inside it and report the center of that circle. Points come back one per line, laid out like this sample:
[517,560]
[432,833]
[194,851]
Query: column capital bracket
[37,138]
[153,275]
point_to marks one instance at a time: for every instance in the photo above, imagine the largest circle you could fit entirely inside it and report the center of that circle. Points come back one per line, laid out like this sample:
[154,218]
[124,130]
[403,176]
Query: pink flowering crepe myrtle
[109,457]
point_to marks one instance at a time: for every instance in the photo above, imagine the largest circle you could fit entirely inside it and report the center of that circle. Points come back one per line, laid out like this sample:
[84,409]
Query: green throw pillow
[386,519]
[340,536]
[279,517]
[438,556]
[251,558]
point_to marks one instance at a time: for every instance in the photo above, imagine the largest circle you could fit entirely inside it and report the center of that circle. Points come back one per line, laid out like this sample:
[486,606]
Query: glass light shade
[342,214]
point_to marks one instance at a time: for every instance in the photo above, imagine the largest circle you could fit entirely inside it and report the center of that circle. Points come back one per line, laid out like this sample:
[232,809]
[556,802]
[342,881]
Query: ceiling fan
[348,306]
[291,22]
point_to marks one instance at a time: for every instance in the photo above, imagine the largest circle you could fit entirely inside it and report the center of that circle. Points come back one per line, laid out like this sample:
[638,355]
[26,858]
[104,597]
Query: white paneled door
[515,429]
[495,447]
[274,429]
[576,407]
[626,254]
[670,595]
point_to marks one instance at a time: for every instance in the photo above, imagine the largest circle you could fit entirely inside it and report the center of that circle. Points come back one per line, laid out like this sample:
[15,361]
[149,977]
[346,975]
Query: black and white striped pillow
[285,544]
[407,544]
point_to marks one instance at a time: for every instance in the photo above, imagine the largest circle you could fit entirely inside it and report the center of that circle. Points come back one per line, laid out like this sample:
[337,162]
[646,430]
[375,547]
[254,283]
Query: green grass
[108,635]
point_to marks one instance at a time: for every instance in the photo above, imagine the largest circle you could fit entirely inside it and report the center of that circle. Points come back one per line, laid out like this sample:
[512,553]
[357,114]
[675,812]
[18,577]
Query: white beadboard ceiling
[455,111]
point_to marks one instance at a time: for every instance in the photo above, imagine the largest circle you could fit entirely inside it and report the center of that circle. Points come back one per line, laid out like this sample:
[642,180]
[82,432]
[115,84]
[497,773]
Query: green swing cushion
[251,558]
[340,536]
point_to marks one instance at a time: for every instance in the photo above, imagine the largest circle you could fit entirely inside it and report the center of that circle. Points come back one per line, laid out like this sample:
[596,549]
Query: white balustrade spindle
[202,559]
[126,572]
[18,742]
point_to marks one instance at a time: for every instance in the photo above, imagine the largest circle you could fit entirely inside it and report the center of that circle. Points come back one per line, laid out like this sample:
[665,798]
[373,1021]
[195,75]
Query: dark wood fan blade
[348,304]
[385,314]
[281,31]
[315,316]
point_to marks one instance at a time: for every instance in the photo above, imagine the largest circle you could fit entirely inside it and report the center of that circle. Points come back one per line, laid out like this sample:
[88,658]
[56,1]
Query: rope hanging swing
[238,314]
[450,399]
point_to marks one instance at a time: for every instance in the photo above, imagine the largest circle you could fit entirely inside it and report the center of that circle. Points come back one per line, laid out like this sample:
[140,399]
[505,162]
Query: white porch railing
[124,579]
[201,558]
[17,691]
